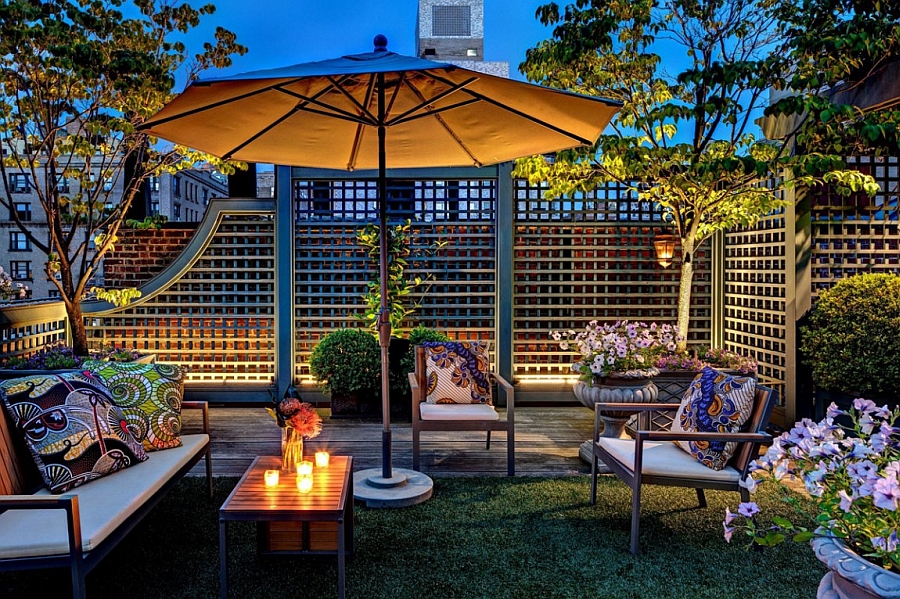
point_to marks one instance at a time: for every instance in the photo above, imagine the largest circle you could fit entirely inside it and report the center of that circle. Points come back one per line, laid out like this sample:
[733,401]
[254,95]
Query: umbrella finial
[380,43]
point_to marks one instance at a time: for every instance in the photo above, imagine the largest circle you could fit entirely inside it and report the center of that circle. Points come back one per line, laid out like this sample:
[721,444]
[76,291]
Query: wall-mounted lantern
[664,244]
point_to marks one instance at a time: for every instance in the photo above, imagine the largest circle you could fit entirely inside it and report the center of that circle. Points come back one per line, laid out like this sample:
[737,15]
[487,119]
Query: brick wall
[140,255]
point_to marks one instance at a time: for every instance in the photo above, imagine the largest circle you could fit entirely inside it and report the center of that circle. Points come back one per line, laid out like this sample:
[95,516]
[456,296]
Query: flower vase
[291,449]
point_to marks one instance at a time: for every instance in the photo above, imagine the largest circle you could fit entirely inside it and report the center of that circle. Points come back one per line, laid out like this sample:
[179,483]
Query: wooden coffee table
[291,522]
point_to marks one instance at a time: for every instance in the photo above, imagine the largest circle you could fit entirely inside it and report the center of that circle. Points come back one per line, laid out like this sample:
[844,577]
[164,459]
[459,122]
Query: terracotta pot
[852,576]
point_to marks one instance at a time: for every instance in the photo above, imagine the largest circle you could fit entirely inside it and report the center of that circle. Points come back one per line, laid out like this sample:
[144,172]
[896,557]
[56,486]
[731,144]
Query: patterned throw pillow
[150,397]
[457,372]
[74,431]
[715,402]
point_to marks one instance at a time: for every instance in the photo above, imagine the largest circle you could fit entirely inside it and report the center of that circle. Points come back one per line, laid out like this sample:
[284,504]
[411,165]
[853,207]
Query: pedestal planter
[632,388]
[851,576]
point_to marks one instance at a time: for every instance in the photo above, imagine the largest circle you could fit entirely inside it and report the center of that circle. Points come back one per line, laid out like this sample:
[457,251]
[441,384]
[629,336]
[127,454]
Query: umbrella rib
[365,111]
[444,124]
[331,111]
[453,89]
[357,136]
[258,134]
[524,115]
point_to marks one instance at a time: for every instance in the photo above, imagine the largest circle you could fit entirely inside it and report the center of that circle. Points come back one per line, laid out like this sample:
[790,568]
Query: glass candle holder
[271,478]
[304,467]
[305,483]
[322,458]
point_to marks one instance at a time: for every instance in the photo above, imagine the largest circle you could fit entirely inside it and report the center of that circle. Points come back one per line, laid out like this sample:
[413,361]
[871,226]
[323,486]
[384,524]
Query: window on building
[154,183]
[23,210]
[18,183]
[107,184]
[20,270]
[54,293]
[176,187]
[451,21]
[205,196]
[154,207]
[18,242]
[62,185]
[176,210]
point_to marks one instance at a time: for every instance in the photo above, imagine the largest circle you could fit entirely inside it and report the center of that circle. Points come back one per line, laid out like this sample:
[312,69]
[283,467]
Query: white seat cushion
[664,458]
[103,503]
[458,411]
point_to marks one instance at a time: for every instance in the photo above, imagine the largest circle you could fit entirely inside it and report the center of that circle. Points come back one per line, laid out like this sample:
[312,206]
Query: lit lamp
[304,483]
[322,458]
[304,467]
[271,478]
[664,245]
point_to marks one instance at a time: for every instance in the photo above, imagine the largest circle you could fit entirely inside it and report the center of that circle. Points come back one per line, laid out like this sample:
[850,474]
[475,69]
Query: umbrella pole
[384,320]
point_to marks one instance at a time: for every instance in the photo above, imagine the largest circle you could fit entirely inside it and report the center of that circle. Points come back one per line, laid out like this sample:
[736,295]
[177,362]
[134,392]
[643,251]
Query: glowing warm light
[304,467]
[271,478]
[664,245]
[304,483]
[322,458]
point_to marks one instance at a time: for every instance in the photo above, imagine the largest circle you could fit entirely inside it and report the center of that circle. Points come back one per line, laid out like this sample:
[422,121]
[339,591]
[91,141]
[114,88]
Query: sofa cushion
[715,402]
[457,372]
[104,505]
[73,430]
[150,397]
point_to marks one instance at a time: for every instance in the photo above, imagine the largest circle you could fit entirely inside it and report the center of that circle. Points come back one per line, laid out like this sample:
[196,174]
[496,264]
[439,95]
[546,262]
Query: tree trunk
[76,322]
[684,291]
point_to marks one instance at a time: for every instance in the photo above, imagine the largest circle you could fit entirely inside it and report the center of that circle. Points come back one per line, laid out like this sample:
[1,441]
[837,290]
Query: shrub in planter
[853,337]
[407,362]
[347,363]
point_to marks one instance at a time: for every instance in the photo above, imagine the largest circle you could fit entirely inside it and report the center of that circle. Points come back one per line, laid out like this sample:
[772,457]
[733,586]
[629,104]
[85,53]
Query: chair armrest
[701,436]
[199,405]
[508,394]
[69,503]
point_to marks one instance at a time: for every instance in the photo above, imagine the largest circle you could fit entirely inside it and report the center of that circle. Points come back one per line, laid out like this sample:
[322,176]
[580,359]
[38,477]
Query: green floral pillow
[71,426]
[457,372]
[149,395]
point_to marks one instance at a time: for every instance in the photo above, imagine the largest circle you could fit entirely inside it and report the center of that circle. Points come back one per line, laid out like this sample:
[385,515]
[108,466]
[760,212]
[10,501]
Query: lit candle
[304,467]
[304,483]
[322,459]
[271,478]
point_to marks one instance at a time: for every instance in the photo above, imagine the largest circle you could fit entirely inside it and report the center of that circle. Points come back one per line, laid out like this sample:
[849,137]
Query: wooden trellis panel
[217,318]
[591,258]
[331,270]
[856,234]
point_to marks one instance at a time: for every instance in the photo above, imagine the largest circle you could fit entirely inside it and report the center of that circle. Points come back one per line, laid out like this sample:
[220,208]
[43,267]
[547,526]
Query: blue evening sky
[284,32]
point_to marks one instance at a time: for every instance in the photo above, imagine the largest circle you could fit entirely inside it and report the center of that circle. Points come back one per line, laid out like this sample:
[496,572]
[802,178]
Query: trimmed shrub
[347,361]
[853,337]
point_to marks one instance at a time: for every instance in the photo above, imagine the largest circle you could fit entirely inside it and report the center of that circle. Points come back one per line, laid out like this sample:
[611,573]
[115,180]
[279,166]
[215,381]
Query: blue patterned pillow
[457,372]
[715,402]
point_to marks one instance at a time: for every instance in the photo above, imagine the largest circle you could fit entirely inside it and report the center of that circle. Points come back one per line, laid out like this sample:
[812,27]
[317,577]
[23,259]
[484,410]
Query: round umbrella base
[413,488]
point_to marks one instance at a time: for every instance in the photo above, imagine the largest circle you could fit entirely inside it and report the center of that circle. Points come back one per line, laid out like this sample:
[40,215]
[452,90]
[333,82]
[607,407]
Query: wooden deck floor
[547,441]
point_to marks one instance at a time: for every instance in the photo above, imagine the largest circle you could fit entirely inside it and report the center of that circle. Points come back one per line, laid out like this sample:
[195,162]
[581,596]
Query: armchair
[459,416]
[652,458]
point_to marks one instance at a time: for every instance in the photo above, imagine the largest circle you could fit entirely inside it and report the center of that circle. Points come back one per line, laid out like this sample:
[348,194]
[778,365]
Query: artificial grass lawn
[517,537]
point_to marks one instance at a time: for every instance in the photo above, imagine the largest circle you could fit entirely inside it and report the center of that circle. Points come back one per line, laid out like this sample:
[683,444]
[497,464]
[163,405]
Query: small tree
[683,138]
[76,78]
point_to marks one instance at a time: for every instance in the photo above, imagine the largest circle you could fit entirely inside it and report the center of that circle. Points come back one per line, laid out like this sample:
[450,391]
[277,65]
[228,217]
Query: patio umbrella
[371,110]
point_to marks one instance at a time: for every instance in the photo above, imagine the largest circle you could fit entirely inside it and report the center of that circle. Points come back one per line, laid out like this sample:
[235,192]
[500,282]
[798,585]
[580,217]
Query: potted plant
[678,369]
[851,472]
[851,342]
[617,364]
[61,357]
[347,362]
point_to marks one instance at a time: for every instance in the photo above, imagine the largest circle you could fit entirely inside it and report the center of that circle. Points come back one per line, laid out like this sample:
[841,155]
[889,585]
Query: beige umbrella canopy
[375,110]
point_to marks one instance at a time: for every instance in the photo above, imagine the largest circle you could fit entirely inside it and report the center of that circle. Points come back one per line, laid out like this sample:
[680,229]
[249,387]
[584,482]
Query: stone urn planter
[851,576]
[634,386]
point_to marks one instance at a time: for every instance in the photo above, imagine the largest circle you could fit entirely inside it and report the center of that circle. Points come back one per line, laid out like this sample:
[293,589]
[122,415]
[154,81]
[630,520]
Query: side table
[330,501]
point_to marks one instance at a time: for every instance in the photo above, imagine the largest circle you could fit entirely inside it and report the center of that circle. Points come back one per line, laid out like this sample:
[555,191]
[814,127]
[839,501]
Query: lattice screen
[218,318]
[587,258]
[856,234]
[331,270]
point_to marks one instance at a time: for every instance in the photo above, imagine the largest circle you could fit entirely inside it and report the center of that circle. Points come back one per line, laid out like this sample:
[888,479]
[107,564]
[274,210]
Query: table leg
[341,558]
[223,559]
